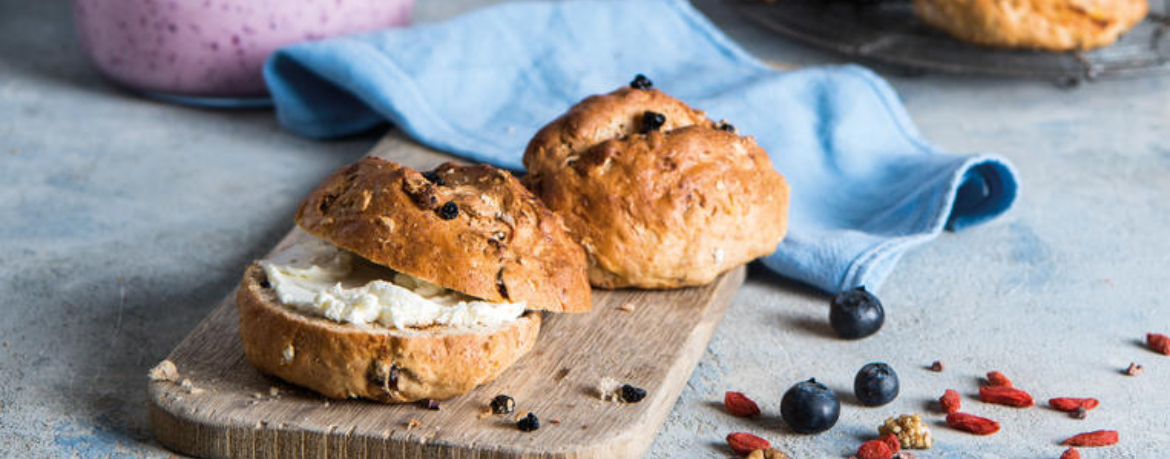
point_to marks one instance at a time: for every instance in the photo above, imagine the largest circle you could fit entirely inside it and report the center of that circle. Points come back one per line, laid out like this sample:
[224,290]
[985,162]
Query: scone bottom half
[471,229]
[659,195]
[388,365]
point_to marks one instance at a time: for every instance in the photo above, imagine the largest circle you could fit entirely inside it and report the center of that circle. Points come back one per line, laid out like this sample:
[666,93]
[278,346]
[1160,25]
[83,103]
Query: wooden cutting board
[229,410]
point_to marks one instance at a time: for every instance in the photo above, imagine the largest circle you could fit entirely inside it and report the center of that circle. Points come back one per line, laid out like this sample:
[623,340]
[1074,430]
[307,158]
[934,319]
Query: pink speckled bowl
[213,48]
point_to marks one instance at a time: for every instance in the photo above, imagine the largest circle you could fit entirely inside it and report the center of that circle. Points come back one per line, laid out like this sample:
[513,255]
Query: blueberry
[449,210]
[876,384]
[856,314]
[641,82]
[652,121]
[810,407]
[725,126]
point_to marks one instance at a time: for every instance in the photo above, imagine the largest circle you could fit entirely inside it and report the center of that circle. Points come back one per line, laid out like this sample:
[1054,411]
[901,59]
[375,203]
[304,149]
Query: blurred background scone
[657,194]
[1054,25]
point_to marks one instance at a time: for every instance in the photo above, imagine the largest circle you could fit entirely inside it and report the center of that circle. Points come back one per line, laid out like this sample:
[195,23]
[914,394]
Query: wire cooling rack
[887,31]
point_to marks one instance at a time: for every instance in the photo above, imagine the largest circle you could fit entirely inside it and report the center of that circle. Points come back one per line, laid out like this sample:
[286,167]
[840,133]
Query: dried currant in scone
[449,210]
[433,177]
[641,82]
[652,121]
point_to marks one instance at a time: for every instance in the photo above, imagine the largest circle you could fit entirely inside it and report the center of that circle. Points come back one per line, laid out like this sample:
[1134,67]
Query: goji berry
[996,378]
[739,405]
[950,401]
[891,440]
[1158,342]
[743,443]
[1071,453]
[874,449]
[1094,438]
[972,424]
[1070,404]
[1004,395]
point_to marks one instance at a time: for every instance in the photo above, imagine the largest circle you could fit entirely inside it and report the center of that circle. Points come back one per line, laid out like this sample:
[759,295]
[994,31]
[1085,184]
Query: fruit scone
[1054,25]
[657,194]
[411,286]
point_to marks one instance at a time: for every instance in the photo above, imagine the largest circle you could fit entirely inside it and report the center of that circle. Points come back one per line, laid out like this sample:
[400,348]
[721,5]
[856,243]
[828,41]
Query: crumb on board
[484,413]
[413,423]
[556,420]
[164,371]
[609,390]
[627,307]
[273,391]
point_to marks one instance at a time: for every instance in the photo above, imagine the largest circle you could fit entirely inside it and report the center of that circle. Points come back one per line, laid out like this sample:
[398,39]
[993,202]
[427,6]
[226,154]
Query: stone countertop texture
[123,221]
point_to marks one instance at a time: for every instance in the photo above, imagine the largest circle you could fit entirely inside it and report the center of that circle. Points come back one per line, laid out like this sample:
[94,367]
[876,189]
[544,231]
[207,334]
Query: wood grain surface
[229,410]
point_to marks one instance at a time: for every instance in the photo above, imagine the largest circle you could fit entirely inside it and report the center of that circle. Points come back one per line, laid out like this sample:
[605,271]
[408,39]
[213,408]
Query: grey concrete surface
[123,221]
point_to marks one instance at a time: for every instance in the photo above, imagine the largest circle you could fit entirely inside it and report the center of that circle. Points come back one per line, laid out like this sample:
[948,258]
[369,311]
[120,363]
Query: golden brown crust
[347,361]
[1054,25]
[667,209]
[502,244]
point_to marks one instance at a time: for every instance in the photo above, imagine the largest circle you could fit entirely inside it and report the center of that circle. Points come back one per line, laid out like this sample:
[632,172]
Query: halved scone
[409,286]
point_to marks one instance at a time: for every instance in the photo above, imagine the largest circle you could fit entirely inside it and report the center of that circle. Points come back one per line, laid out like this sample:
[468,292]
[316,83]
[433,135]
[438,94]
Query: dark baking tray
[887,31]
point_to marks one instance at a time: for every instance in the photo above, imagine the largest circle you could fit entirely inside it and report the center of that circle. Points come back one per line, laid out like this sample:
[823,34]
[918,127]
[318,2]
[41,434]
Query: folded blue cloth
[865,186]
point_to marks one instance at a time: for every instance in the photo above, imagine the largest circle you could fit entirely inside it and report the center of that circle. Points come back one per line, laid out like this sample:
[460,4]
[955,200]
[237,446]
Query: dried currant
[641,82]
[652,121]
[632,394]
[449,210]
[528,423]
[503,404]
[433,177]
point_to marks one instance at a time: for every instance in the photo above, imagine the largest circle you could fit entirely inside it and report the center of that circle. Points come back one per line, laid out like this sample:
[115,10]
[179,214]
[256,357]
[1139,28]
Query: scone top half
[659,195]
[472,229]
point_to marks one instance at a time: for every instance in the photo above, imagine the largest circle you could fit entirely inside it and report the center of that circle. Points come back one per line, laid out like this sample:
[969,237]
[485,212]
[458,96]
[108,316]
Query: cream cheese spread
[319,278]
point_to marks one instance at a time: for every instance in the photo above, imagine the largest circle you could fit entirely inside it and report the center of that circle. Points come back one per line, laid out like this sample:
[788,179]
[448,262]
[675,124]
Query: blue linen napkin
[865,186]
